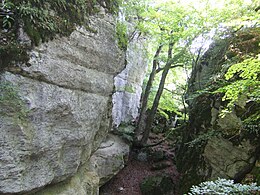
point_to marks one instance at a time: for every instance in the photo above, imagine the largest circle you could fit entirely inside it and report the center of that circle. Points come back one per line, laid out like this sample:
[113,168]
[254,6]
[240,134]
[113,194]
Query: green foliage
[48,18]
[252,122]
[10,52]
[6,14]
[223,187]
[202,139]
[237,83]
[171,99]
[248,69]
[126,131]
[126,88]
[113,5]
[43,20]
[168,103]
[244,81]
[180,23]
[121,35]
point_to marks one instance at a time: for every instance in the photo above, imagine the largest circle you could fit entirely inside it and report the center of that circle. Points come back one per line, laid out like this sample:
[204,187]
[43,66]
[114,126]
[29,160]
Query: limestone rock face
[226,159]
[82,183]
[128,84]
[216,143]
[210,64]
[109,158]
[103,164]
[66,92]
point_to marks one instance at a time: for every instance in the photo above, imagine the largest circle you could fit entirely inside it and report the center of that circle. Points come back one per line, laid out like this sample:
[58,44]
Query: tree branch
[174,66]
[164,139]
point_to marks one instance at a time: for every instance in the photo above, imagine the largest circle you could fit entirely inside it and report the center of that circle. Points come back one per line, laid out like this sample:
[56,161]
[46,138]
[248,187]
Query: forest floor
[128,180]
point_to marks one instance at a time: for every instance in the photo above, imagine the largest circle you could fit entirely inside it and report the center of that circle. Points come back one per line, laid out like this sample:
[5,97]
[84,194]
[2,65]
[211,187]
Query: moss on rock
[206,105]
[42,21]
[159,184]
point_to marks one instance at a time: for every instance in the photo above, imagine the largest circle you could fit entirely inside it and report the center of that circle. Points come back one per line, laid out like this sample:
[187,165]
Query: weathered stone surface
[67,94]
[210,64]
[229,122]
[82,183]
[102,165]
[128,84]
[109,159]
[85,61]
[229,156]
[58,136]
[226,159]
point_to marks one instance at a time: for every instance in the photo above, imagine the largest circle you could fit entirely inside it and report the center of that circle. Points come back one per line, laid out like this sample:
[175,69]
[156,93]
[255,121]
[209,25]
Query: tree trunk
[151,115]
[142,116]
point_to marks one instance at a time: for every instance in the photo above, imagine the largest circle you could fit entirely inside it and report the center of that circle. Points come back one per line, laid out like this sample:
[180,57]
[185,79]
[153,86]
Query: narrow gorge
[98,94]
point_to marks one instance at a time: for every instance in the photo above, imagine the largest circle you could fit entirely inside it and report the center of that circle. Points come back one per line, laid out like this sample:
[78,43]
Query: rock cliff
[128,84]
[216,144]
[56,110]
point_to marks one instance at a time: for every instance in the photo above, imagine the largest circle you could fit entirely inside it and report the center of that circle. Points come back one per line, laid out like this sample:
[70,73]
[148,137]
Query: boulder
[102,166]
[227,160]
[82,183]
[109,159]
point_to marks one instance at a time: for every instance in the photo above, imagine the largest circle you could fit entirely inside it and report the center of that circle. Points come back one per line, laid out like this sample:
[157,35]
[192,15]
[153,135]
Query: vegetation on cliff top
[42,21]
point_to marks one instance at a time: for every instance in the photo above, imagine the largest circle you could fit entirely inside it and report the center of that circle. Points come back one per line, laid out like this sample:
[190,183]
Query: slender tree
[152,113]
[142,116]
